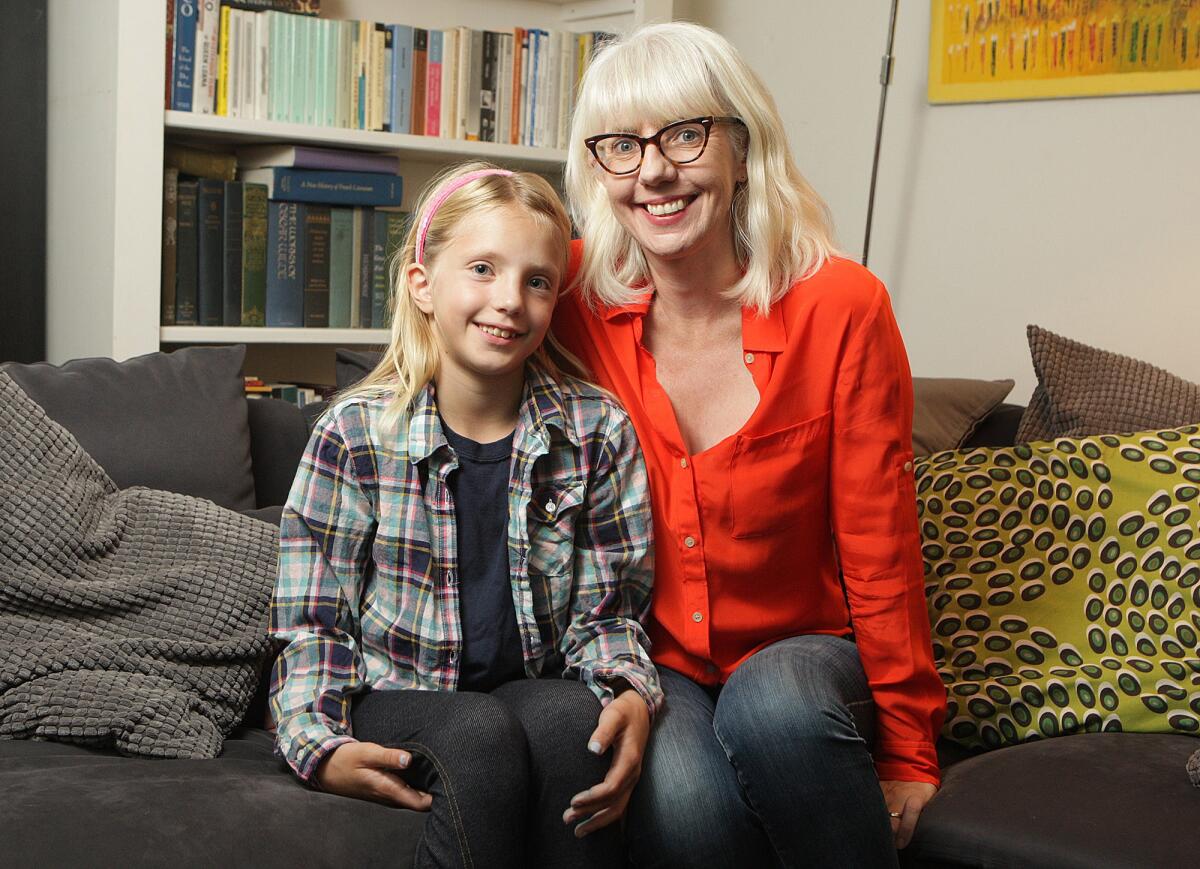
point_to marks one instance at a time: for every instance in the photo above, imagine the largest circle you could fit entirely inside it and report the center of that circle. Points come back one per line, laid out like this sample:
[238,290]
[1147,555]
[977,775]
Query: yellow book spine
[223,73]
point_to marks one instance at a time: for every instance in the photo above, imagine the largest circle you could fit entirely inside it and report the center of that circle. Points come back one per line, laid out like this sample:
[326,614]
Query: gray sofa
[1083,801]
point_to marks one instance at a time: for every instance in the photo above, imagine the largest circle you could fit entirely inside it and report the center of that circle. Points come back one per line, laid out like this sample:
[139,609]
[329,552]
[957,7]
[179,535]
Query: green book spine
[341,266]
[231,255]
[316,265]
[254,255]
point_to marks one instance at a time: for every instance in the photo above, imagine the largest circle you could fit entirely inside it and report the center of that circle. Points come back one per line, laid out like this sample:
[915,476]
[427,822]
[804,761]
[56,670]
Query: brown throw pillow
[946,410]
[1085,391]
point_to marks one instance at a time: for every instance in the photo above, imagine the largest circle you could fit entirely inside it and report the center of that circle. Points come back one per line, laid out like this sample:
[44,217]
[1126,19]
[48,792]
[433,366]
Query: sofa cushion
[278,435]
[1063,585]
[69,806]
[1089,802]
[946,410]
[1082,391]
[174,421]
[351,366]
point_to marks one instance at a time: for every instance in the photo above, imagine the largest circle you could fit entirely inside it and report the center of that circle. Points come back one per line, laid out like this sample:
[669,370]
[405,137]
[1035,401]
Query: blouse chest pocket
[780,479]
[553,511]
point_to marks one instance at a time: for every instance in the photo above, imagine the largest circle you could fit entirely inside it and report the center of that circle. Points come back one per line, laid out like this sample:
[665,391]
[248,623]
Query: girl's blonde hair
[670,72]
[410,361]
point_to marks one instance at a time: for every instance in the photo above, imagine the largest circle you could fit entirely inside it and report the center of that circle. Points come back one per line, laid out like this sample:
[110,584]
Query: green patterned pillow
[1063,582]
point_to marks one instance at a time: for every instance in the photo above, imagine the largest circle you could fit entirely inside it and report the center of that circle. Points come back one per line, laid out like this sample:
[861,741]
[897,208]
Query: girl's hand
[625,725]
[908,798]
[366,770]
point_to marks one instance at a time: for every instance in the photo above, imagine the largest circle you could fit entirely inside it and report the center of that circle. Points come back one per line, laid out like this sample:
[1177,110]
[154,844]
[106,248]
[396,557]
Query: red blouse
[749,534]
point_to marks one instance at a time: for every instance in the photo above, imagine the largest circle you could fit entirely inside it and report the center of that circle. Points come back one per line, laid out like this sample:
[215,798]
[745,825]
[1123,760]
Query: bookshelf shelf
[259,335]
[235,130]
[106,129]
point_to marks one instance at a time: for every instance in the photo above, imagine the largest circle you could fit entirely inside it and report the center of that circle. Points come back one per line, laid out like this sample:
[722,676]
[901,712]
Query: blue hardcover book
[328,188]
[210,222]
[402,78]
[285,288]
[184,67]
[539,43]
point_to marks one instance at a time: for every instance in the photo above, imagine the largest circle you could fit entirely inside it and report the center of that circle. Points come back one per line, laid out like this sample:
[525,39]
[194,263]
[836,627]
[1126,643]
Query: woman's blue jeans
[768,770]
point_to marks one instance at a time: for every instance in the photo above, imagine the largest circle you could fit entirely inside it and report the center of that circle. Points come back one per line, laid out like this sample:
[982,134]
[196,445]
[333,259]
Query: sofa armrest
[278,435]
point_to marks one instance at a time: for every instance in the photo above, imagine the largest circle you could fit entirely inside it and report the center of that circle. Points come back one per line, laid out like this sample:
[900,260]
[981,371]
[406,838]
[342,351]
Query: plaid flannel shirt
[368,595]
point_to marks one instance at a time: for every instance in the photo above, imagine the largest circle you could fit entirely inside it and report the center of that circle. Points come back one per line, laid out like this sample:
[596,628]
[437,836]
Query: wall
[1082,216]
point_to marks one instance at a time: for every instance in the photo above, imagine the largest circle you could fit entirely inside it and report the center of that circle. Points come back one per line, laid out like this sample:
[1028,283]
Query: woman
[771,394]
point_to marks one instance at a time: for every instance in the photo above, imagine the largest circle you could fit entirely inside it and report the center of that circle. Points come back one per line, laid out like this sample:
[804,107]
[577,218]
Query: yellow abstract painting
[1039,49]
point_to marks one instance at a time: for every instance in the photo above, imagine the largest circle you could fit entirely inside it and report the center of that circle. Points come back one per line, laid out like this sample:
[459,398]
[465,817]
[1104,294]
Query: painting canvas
[1038,49]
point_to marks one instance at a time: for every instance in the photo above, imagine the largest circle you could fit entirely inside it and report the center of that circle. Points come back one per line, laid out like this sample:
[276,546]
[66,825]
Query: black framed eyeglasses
[681,142]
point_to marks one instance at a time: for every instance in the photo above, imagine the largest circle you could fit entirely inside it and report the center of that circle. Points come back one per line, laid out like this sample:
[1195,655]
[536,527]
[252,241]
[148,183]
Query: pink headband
[441,197]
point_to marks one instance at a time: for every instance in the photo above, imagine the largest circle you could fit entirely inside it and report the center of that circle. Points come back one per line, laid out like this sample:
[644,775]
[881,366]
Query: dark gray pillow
[351,366]
[1085,391]
[174,421]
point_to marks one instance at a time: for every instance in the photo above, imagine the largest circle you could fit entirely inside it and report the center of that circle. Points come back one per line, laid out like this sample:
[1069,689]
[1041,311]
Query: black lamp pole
[885,78]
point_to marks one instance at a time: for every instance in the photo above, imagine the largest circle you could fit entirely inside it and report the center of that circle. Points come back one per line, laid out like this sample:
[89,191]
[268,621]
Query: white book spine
[449,76]
[232,71]
[246,46]
[463,85]
[262,63]
[504,89]
[526,59]
[566,76]
[208,34]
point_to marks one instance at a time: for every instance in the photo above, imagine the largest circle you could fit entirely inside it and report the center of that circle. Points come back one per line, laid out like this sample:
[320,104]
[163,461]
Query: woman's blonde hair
[669,72]
[410,361]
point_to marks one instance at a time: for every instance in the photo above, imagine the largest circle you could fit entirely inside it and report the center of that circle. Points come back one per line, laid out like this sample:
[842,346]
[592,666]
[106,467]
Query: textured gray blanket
[131,619]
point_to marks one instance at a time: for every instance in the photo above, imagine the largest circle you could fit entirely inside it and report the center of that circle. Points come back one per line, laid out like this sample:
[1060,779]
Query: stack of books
[275,60]
[299,240]
[298,394]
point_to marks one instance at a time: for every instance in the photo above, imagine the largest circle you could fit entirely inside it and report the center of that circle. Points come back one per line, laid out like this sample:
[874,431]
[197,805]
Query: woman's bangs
[636,88]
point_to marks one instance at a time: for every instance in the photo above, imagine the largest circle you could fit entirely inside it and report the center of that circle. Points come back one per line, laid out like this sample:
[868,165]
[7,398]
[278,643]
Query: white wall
[1082,216]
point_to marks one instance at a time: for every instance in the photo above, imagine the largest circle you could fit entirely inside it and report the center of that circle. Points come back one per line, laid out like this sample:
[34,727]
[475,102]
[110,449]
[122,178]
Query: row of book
[298,394]
[514,86]
[233,256]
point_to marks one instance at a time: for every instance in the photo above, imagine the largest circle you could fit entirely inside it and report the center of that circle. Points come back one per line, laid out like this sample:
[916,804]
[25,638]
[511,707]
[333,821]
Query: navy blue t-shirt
[491,651]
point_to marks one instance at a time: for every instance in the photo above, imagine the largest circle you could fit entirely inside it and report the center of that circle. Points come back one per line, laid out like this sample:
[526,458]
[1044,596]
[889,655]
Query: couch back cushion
[174,421]
[1063,582]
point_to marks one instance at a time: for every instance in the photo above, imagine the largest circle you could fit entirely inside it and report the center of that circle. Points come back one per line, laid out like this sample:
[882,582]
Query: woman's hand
[367,771]
[625,725]
[908,798]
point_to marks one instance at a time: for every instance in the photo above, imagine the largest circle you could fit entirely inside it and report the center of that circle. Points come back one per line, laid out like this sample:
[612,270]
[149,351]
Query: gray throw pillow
[946,410]
[174,421]
[1085,391]
[352,366]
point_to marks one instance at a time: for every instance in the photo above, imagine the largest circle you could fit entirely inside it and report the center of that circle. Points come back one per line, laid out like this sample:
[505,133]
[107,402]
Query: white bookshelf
[236,131]
[105,132]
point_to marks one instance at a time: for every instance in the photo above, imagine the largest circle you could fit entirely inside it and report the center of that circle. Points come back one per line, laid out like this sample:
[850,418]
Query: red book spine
[170,77]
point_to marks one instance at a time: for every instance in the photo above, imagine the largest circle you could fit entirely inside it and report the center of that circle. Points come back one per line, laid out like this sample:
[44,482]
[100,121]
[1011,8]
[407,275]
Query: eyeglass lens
[679,144]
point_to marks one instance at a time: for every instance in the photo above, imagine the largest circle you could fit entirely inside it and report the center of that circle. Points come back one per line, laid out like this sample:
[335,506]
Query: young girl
[467,526]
